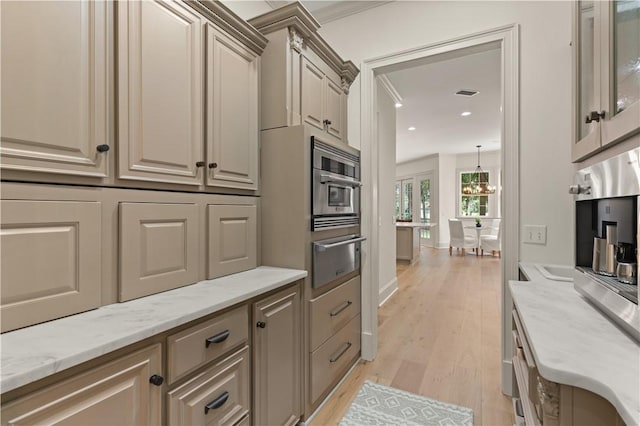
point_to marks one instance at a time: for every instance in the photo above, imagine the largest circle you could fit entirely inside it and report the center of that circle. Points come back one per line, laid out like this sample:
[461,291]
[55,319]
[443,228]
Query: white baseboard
[387,291]
[442,245]
[507,378]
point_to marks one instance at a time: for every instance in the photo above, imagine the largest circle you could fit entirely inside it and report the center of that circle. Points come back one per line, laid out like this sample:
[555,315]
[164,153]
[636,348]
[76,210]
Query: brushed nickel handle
[342,352]
[340,309]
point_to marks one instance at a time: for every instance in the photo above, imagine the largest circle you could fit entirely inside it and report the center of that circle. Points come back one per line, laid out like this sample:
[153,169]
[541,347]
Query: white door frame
[508,38]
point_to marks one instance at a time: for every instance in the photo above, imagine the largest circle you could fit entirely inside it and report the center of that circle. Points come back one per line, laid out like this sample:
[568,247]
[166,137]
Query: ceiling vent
[467,92]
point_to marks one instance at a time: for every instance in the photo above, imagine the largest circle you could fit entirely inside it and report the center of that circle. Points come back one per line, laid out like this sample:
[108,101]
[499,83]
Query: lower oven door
[334,258]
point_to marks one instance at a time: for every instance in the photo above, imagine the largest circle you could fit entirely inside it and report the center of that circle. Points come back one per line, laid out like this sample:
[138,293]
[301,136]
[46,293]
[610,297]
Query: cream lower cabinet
[217,396]
[277,359]
[50,260]
[118,393]
[54,92]
[160,98]
[543,402]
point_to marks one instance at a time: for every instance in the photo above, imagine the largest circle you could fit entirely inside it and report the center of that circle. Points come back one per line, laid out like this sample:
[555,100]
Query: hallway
[438,336]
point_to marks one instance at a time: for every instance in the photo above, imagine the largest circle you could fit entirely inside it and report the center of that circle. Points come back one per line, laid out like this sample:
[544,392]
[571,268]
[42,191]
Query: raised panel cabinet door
[312,93]
[334,106]
[117,393]
[276,359]
[54,100]
[160,89]
[158,248]
[232,114]
[51,263]
[219,396]
[233,245]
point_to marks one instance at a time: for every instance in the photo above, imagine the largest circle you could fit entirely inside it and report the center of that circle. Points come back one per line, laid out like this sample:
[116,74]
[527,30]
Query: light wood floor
[438,336]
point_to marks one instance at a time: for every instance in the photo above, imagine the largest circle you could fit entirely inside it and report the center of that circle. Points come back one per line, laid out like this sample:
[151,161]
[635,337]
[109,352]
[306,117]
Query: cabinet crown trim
[224,18]
[298,20]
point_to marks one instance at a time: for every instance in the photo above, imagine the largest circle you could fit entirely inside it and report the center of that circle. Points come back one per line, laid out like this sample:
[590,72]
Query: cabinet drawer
[158,248]
[50,260]
[195,346]
[333,358]
[217,396]
[232,239]
[331,311]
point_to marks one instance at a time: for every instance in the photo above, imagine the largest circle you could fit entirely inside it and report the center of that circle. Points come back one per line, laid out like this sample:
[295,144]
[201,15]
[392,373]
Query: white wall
[447,195]
[247,9]
[386,193]
[545,91]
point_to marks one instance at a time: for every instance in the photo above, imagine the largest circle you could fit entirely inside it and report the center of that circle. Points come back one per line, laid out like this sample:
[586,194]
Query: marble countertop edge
[23,359]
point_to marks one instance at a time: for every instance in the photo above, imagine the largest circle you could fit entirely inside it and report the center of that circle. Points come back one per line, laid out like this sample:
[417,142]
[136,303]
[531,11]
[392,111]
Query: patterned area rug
[381,405]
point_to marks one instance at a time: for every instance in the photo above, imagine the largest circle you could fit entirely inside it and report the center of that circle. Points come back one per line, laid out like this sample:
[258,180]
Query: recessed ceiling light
[398,104]
[412,128]
[465,114]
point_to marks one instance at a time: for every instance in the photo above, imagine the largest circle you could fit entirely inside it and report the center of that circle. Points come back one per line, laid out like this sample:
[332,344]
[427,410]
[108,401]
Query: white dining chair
[458,239]
[492,242]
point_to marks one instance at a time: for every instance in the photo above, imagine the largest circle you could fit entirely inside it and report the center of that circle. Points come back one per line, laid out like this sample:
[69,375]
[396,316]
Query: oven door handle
[331,179]
[323,247]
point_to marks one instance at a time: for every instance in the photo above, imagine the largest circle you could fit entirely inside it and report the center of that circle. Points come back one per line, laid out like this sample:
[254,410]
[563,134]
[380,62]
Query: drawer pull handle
[218,338]
[341,308]
[217,403]
[342,352]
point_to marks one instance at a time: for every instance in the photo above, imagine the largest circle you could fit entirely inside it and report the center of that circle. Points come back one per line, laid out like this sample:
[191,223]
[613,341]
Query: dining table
[479,230]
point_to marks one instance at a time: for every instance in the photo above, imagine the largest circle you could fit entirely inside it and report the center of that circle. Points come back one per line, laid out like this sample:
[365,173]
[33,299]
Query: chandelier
[479,184]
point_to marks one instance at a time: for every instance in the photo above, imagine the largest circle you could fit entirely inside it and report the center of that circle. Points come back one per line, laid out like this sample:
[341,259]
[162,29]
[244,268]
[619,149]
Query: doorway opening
[506,40]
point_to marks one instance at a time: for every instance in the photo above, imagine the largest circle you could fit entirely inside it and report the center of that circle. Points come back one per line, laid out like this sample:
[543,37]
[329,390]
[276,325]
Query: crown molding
[296,19]
[224,18]
[343,9]
[389,88]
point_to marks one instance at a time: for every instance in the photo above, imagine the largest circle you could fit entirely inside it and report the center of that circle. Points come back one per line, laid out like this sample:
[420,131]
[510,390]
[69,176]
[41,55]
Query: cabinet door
[160,92]
[118,393]
[50,260]
[277,379]
[54,102]
[218,396]
[232,115]
[158,248]
[334,105]
[312,92]
[233,235]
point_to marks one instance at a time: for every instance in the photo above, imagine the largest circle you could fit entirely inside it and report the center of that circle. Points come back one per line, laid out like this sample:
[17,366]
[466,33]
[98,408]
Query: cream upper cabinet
[232,114]
[607,76]
[54,96]
[160,92]
[303,80]
[116,393]
[277,378]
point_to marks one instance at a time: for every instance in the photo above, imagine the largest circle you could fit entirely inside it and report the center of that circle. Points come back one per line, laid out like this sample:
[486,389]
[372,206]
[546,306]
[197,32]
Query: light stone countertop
[415,225]
[41,350]
[574,344]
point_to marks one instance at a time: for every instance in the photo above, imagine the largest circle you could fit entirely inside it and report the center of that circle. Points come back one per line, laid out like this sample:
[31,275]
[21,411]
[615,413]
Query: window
[471,204]
[425,205]
[404,197]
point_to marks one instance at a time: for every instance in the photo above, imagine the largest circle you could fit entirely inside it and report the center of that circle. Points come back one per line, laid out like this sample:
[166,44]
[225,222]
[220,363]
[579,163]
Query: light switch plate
[535,234]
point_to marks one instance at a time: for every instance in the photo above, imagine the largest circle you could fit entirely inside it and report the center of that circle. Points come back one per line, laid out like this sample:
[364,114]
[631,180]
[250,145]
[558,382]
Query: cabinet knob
[213,165]
[326,122]
[102,148]
[261,324]
[156,380]
[594,116]
[200,164]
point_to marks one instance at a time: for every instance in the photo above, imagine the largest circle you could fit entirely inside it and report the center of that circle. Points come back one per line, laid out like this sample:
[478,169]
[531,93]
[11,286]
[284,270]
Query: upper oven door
[334,194]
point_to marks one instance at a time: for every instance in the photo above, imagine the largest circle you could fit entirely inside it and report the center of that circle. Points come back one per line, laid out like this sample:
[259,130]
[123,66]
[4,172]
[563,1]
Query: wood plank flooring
[438,336]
